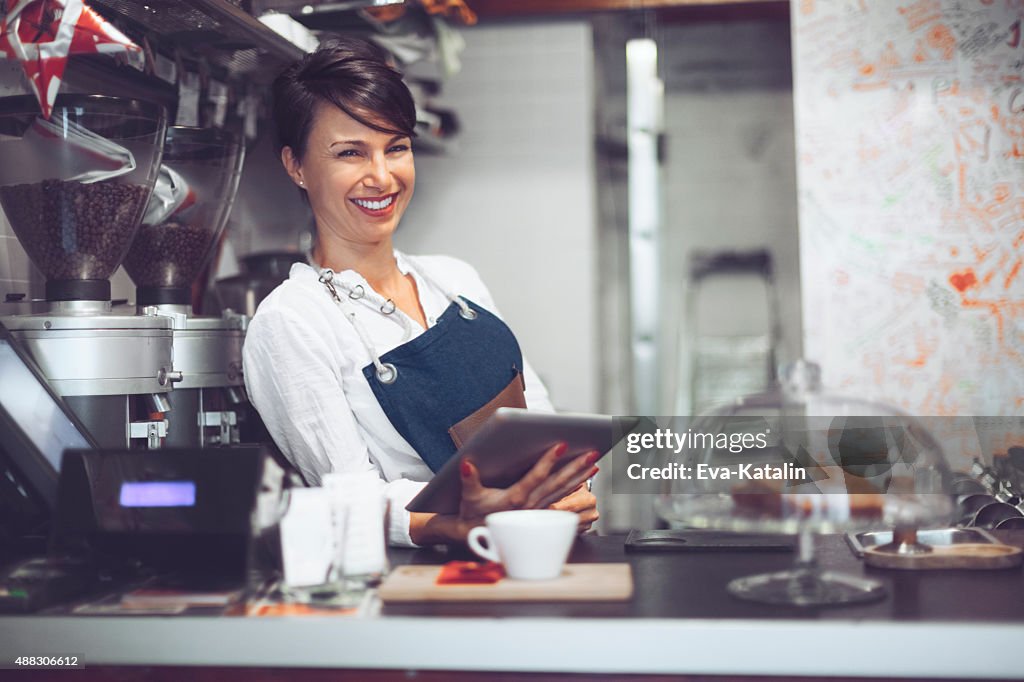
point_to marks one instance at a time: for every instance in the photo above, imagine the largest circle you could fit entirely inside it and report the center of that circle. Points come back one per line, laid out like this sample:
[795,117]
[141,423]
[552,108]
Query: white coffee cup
[532,544]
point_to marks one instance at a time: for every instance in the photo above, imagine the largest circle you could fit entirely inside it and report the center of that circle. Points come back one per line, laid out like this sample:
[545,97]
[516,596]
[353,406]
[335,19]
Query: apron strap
[386,372]
[465,311]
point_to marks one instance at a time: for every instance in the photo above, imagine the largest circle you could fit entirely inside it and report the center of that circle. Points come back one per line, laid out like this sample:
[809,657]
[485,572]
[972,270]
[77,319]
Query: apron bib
[439,387]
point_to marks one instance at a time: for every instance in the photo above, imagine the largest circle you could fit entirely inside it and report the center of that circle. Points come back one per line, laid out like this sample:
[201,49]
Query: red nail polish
[561,448]
[465,468]
[593,472]
[592,456]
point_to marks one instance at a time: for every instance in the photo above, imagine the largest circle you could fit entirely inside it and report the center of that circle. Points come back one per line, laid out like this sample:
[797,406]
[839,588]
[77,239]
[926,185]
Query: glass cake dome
[799,460]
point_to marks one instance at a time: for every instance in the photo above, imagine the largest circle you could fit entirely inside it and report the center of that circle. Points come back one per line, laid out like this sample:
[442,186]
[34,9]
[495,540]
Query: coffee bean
[170,254]
[72,230]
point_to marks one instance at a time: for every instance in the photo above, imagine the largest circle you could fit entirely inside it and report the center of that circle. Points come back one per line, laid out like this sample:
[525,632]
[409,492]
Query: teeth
[375,205]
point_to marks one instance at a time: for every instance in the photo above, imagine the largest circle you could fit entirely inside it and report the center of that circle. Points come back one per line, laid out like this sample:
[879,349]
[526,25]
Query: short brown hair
[352,74]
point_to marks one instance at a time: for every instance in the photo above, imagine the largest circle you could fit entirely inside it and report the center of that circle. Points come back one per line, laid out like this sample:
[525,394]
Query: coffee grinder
[74,188]
[186,215]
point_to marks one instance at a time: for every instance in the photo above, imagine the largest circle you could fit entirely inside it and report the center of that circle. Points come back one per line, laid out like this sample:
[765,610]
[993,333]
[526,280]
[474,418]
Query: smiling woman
[367,359]
[359,181]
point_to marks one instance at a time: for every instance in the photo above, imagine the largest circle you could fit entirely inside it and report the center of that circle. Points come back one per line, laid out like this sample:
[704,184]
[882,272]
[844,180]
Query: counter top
[693,585]
[680,620]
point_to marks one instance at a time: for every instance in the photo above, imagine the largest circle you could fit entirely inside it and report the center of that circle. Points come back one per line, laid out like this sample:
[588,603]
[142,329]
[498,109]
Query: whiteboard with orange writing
[910,154]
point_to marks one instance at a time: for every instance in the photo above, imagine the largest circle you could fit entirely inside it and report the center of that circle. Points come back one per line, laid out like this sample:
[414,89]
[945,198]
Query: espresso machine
[183,222]
[74,188]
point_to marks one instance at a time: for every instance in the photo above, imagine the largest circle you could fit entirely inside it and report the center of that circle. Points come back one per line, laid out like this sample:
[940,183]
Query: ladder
[728,347]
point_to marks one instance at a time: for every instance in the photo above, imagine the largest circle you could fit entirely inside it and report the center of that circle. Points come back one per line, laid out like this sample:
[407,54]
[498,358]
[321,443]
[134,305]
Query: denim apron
[439,387]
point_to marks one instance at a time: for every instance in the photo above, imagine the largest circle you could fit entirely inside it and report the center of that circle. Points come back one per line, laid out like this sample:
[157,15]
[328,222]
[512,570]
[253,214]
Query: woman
[368,359]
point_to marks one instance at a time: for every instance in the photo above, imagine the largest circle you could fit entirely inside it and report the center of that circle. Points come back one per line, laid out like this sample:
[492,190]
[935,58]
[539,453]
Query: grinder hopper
[74,187]
[186,214]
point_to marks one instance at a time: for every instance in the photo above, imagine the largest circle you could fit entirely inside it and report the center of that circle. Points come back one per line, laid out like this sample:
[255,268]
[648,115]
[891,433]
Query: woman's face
[359,180]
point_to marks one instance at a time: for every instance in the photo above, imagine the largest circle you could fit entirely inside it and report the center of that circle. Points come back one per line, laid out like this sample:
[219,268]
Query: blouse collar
[348,277]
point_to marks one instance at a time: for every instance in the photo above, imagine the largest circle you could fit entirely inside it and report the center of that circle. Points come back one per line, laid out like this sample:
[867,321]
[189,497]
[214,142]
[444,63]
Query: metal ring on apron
[356,296]
[387,374]
[467,313]
[388,310]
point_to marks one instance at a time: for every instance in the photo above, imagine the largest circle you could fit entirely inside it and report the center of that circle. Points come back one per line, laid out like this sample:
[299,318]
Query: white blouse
[303,362]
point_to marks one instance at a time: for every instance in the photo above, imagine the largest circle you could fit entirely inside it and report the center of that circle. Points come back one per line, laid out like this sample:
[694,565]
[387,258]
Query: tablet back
[510,443]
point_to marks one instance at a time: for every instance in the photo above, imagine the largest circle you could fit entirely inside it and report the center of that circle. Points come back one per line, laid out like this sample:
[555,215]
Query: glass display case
[801,460]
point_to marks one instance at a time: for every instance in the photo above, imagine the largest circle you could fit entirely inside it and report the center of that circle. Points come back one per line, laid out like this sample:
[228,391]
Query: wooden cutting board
[578,582]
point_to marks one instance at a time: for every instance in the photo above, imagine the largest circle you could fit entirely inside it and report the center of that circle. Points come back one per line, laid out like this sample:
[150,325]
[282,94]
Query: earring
[301,183]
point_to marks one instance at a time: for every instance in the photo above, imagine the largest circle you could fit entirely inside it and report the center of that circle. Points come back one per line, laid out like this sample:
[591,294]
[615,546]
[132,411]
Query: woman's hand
[583,503]
[537,489]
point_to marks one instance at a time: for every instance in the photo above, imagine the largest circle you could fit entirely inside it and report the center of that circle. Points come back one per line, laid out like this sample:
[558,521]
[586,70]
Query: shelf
[295,7]
[228,38]
[235,45]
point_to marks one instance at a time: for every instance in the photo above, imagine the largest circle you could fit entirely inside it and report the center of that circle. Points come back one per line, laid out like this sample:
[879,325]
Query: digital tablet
[510,443]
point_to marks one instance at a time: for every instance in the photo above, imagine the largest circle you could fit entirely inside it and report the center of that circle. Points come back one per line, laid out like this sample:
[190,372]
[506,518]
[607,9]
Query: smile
[375,205]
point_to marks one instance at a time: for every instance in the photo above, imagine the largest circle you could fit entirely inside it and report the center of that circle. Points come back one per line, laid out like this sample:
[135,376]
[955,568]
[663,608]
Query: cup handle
[483,551]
